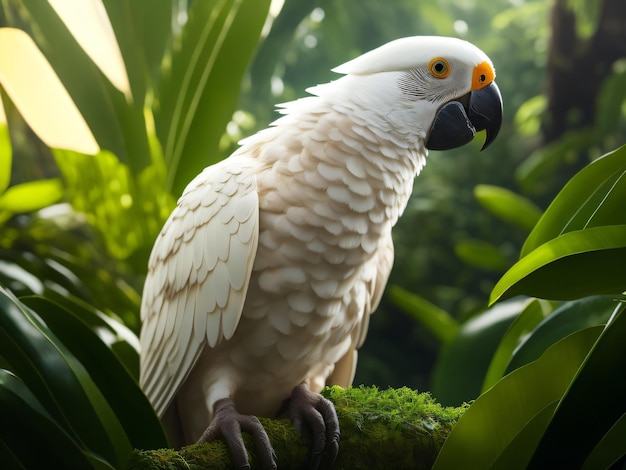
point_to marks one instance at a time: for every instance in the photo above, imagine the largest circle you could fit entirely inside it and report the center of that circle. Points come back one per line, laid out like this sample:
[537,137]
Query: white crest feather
[407,53]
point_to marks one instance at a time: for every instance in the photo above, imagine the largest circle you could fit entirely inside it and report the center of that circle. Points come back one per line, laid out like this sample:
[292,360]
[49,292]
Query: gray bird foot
[228,424]
[318,414]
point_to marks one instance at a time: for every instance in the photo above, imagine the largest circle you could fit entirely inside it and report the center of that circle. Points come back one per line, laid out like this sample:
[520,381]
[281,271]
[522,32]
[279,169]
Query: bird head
[446,84]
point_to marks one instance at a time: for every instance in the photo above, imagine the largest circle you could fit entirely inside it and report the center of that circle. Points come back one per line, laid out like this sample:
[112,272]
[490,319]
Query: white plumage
[265,274]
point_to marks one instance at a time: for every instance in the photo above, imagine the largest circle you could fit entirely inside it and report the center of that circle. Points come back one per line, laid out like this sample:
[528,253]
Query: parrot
[262,280]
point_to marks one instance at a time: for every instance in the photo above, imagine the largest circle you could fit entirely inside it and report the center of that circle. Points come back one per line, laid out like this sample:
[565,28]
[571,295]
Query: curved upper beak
[457,121]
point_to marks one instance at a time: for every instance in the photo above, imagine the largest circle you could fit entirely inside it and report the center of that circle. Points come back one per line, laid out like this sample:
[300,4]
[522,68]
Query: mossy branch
[395,428]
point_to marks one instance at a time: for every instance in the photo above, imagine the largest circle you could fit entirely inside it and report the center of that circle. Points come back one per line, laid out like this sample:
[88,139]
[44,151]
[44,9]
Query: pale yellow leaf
[39,95]
[88,22]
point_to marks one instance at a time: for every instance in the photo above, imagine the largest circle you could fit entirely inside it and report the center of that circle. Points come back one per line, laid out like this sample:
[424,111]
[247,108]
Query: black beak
[457,122]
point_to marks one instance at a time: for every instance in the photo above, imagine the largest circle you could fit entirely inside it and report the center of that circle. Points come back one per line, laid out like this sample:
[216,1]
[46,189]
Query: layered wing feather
[198,276]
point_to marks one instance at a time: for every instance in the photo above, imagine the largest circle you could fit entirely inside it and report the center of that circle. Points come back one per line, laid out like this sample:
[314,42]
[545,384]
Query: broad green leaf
[26,423]
[59,381]
[493,421]
[508,206]
[35,89]
[89,24]
[601,183]
[460,369]
[18,279]
[482,254]
[437,321]
[610,448]
[31,196]
[199,96]
[573,265]
[111,331]
[565,320]
[593,403]
[117,124]
[79,333]
[6,153]
[532,314]
[519,451]
[143,35]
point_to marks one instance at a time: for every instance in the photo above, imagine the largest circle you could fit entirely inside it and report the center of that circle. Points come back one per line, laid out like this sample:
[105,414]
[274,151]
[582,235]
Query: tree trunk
[577,67]
[395,429]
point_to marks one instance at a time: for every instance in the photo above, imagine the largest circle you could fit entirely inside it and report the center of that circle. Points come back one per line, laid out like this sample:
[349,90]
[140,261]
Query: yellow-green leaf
[38,94]
[88,22]
[31,196]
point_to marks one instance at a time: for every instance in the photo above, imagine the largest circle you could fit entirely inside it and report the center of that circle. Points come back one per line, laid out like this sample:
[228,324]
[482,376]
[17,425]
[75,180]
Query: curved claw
[320,417]
[228,423]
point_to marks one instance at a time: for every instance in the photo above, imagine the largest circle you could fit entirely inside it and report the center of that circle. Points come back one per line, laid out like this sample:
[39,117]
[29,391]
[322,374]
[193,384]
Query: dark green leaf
[122,393]
[592,405]
[30,433]
[493,421]
[573,265]
[59,381]
[611,447]
[463,363]
[565,320]
[111,331]
[532,314]
[519,451]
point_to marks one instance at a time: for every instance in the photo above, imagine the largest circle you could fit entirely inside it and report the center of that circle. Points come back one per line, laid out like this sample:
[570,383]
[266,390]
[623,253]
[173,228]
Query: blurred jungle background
[87,179]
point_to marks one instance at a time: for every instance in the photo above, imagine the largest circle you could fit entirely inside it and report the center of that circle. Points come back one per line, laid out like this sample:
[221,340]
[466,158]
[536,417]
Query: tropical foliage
[104,120]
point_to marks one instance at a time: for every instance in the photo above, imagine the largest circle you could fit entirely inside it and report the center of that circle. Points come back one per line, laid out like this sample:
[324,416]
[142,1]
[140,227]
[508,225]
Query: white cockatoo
[262,281]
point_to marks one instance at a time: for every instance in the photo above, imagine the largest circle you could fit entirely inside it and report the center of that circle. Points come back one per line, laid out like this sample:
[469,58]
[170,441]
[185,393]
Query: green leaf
[532,314]
[6,153]
[563,321]
[571,266]
[39,95]
[610,448]
[460,370]
[519,451]
[437,321]
[482,254]
[77,331]
[25,423]
[199,96]
[508,206]
[117,124]
[492,422]
[31,196]
[93,32]
[594,196]
[59,381]
[143,34]
[601,380]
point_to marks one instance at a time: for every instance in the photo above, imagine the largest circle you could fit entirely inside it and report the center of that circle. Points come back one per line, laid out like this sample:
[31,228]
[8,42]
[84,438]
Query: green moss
[394,428]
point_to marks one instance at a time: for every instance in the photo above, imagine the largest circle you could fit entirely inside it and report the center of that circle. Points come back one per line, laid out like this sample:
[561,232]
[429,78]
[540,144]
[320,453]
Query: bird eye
[439,68]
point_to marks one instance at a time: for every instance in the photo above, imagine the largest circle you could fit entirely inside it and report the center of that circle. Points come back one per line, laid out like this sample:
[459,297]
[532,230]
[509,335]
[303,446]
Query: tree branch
[395,428]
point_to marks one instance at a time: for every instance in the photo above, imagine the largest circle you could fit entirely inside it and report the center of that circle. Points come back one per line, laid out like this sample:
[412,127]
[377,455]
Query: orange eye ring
[439,67]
